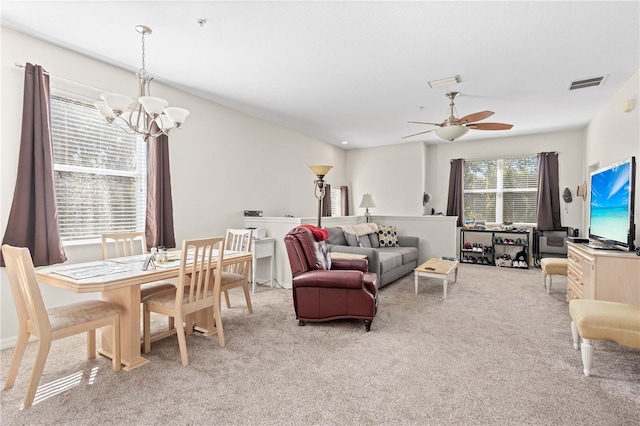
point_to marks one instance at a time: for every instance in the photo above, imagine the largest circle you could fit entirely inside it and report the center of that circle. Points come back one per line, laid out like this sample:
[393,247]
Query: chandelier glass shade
[139,115]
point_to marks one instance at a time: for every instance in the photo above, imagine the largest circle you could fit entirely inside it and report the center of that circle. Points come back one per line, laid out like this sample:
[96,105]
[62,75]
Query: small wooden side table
[437,268]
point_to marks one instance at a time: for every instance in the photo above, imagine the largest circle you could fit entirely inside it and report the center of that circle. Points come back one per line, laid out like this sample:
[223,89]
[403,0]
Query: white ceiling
[358,71]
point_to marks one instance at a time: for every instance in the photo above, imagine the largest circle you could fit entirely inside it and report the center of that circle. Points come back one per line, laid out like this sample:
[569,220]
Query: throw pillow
[388,236]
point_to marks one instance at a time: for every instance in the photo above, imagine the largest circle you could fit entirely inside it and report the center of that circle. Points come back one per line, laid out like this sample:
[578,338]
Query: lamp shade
[367,201]
[176,115]
[451,132]
[117,103]
[152,105]
[320,170]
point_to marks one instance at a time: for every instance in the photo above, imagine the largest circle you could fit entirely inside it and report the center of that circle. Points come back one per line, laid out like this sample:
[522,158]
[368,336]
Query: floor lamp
[319,188]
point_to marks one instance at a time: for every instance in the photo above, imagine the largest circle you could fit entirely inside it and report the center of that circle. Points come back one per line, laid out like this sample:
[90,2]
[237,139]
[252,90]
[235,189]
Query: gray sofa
[390,263]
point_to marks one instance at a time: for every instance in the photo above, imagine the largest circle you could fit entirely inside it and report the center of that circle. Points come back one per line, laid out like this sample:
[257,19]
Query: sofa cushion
[408,254]
[336,236]
[375,242]
[365,241]
[352,240]
[388,236]
[389,260]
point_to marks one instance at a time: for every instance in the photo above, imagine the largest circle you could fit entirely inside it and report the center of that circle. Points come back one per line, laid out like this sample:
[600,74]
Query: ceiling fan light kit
[452,127]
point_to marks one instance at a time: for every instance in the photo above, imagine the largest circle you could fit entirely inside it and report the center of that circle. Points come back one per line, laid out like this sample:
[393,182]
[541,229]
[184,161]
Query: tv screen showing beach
[610,202]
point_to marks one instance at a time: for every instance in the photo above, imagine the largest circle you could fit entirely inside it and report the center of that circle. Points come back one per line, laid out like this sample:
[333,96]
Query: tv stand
[610,275]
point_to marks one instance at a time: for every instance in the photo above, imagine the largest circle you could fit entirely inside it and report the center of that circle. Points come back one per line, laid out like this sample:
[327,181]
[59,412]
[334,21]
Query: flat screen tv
[611,210]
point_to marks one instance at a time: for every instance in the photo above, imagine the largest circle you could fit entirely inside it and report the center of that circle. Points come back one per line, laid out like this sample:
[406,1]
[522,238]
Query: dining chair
[51,324]
[198,289]
[130,244]
[237,274]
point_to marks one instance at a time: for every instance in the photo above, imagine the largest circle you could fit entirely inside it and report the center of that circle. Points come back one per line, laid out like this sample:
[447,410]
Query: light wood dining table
[119,281]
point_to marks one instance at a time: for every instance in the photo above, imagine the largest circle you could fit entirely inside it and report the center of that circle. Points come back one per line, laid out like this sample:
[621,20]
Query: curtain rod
[19,65]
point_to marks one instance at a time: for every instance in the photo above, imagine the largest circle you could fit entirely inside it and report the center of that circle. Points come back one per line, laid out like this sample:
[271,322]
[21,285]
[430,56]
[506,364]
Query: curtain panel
[326,201]
[344,197]
[33,219]
[455,199]
[159,230]
[548,202]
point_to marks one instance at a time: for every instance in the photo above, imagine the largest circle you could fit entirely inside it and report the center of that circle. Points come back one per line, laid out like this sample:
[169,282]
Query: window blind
[501,190]
[100,172]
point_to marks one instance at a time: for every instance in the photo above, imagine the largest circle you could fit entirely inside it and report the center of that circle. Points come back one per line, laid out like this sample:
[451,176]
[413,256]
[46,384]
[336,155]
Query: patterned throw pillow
[387,236]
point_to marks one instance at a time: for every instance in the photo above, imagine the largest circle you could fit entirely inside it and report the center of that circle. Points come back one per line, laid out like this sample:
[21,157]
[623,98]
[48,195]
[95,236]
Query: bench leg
[587,355]
[576,335]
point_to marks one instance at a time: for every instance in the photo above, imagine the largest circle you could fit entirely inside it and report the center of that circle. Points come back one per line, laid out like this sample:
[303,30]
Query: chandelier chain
[143,70]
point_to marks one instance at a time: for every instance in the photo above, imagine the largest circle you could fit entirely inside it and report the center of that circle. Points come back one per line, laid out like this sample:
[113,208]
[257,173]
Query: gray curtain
[33,219]
[159,229]
[326,201]
[548,202]
[455,200]
[344,196]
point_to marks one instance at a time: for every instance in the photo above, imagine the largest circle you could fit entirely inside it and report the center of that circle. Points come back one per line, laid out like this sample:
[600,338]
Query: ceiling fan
[452,128]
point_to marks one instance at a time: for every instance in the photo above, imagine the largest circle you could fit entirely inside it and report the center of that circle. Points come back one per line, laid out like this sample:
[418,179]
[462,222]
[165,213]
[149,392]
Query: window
[100,172]
[501,190]
[336,202]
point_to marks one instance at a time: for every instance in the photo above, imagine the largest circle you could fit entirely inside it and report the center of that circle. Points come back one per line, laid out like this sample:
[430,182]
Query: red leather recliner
[325,289]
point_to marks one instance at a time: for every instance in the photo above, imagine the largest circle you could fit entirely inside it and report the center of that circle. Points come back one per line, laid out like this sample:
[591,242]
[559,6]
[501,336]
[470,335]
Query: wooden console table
[603,275]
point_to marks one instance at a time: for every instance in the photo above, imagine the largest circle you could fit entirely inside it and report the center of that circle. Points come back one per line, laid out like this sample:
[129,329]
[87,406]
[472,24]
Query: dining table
[119,280]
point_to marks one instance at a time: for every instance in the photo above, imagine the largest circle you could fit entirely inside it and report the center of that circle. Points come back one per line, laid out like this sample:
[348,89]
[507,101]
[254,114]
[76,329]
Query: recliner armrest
[329,279]
[353,264]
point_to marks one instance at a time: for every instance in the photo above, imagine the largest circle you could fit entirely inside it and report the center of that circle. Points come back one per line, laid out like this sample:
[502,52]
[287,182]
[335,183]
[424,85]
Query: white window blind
[501,190]
[100,173]
[336,202]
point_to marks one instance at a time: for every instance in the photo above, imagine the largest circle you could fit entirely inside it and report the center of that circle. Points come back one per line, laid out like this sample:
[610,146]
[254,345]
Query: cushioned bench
[601,320]
[552,266]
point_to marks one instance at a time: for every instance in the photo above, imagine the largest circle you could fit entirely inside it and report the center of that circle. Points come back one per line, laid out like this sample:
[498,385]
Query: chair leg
[367,324]
[43,351]
[549,284]
[18,354]
[575,335]
[226,299]
[91,344]
[544,279]
[247,296]
[182,343]
[587,355]
[217,319]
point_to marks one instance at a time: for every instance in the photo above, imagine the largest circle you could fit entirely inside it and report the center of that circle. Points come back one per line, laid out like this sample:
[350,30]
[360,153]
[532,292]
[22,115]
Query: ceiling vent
[587,82]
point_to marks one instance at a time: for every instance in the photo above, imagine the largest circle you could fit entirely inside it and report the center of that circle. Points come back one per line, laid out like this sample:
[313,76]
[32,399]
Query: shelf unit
[489,245]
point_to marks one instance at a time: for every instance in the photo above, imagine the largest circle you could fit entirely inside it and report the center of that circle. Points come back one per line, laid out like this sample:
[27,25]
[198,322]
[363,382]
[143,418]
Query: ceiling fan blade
[490,126]
[416,134]
[477,116]
[424,122]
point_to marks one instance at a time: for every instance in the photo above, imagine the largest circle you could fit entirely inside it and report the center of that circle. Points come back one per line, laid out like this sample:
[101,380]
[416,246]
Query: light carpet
[498,351]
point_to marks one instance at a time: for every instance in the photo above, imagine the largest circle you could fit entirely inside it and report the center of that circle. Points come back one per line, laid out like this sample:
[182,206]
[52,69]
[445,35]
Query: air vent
[587,82]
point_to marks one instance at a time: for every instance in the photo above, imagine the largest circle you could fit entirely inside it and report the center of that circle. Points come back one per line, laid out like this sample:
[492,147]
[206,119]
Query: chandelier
[139,116]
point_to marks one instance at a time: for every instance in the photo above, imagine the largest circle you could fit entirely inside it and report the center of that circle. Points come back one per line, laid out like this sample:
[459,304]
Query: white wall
[614,135]
[397,175]
[391,174]
[222,161]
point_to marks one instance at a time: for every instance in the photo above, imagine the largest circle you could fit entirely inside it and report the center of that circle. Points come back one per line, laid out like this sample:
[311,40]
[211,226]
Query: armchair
[326,289]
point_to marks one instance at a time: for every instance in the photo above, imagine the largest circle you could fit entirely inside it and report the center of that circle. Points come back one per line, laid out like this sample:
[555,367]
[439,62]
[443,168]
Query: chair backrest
[123,244]
[239,240]
[27,297]
[305,252]
[200,271]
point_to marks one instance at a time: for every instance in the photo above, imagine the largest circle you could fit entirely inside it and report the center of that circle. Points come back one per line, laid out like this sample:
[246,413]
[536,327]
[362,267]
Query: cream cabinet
[603,275]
